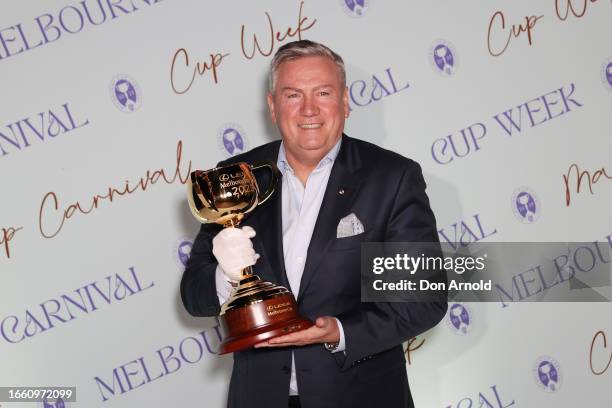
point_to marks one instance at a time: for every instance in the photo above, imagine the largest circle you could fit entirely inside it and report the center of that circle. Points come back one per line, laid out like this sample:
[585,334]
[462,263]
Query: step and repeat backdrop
[107,105]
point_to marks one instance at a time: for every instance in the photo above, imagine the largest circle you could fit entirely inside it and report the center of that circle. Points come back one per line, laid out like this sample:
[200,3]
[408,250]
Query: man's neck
[305,162]
[303,167]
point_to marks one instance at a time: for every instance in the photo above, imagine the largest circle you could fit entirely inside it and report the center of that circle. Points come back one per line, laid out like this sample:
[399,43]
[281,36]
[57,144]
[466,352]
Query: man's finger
[313,334]
[298,338]
[283,343]
[322,322]
[250,232]
[301,335]
[267,344]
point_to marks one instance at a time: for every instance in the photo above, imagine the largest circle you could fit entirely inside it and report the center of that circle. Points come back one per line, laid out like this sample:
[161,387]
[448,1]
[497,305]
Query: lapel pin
[341,191]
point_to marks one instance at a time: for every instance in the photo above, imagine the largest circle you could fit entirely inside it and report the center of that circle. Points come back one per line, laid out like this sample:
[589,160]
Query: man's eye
[324,93]
[293,95]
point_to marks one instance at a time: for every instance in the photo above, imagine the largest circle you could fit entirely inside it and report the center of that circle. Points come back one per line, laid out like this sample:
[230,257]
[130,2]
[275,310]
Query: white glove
[234,251]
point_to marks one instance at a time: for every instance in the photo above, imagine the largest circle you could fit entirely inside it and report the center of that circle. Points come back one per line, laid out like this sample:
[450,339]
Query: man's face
[309,106]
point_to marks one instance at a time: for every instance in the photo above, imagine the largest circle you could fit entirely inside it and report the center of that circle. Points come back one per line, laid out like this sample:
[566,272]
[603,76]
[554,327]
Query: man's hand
[325,330]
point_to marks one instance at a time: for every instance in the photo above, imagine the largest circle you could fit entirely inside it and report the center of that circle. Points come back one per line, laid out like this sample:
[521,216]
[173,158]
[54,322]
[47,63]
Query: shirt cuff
[341,342]
[224,287]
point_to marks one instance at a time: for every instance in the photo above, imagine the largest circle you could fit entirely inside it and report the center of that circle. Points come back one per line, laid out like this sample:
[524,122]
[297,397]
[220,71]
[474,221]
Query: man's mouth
[310,125]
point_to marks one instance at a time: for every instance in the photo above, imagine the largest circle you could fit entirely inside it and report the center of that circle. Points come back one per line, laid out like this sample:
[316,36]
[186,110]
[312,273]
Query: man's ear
[345,102]
[271,107]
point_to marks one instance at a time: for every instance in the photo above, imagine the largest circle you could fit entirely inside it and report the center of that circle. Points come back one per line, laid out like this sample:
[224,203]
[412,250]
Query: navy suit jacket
[386,191]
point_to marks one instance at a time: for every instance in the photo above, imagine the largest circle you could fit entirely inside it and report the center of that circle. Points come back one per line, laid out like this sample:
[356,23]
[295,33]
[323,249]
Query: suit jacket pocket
[380,365]
[352,242]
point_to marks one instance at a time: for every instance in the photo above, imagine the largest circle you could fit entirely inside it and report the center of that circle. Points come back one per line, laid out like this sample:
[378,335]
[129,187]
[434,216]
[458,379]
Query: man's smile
[310,125]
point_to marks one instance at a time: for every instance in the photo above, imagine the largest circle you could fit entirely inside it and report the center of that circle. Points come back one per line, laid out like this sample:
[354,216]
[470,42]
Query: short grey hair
[301,49]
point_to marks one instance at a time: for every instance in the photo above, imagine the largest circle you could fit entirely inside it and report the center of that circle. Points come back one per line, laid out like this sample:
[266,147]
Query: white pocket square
[349,226]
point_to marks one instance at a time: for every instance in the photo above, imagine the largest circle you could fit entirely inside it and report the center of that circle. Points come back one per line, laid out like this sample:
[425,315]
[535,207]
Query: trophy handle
[262,198]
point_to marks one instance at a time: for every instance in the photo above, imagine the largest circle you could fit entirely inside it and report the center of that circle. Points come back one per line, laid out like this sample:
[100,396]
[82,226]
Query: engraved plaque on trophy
[256,310]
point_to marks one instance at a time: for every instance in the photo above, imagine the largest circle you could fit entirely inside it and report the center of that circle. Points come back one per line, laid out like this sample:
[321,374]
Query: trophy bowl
[256,310]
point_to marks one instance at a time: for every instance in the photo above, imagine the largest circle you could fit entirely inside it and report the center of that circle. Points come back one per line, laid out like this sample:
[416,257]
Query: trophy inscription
[256,310]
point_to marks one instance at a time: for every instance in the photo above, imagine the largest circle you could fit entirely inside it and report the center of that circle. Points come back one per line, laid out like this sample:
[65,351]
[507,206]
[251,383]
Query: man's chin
[316,142]
[313,149]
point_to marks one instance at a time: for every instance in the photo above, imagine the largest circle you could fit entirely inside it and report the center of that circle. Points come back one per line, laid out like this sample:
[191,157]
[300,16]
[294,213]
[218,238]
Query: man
[336,192]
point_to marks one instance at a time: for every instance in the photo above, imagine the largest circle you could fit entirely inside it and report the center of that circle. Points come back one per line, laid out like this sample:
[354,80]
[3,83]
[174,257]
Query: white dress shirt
[300,209]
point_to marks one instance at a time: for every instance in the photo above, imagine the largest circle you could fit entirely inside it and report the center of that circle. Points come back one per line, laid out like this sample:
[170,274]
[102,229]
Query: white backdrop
[98,96]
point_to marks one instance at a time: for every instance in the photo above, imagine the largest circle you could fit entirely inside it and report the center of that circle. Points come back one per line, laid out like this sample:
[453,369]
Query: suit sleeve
[198,285]
[376,327]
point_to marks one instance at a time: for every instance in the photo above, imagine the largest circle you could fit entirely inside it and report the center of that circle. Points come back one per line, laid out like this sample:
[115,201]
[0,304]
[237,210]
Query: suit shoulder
[373,155]
[267,151]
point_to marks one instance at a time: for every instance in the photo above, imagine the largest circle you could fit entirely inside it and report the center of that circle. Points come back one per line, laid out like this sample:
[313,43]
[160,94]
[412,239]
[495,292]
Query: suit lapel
[341,190]
[270,226]
[269,218]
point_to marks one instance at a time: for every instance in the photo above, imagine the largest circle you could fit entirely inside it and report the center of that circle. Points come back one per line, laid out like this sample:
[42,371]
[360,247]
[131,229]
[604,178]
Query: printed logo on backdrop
[232,139]
[355,8]
[181,253]
[606,73]
[110,290]
[517,120]
[459,319]
[166,360]
[443,57]
[59,23]
[491,397]
[547,374]
[59,403]
[125,93]
[526,205]
[378,86]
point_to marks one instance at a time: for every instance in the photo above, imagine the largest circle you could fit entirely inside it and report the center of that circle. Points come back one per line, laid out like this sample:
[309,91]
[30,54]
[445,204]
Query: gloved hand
[234,251]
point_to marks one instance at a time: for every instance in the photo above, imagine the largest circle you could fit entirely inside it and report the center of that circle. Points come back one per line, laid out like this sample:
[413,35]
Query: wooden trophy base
[250,324]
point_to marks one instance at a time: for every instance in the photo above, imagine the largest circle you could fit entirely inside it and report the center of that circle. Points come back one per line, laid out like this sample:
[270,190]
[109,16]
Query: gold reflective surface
[224,195]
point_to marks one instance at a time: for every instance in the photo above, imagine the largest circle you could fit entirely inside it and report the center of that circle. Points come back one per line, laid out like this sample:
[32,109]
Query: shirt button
[300,259]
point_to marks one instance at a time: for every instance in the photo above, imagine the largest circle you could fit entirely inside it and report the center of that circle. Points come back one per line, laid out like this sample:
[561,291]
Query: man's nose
[309,106]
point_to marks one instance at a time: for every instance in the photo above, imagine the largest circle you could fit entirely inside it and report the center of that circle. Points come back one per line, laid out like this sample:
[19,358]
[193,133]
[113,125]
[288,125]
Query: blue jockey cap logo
[444,59]
[59,403]
[356,6]
[233,142]
[548,375]
[126,94]
[459,317]
[183,251]
[526,206]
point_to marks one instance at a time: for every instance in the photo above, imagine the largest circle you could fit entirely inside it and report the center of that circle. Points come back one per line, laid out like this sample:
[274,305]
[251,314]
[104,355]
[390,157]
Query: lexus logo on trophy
[257,310]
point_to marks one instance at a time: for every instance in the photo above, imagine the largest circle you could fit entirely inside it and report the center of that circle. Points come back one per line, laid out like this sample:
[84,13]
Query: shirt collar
[328,159]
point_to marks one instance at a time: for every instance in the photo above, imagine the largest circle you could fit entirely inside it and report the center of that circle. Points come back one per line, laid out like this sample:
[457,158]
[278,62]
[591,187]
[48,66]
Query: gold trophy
[257,310]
